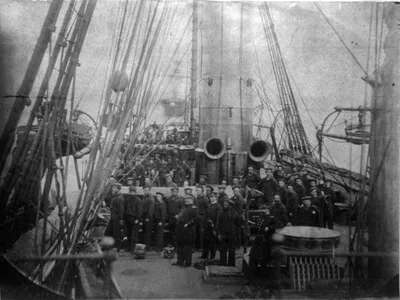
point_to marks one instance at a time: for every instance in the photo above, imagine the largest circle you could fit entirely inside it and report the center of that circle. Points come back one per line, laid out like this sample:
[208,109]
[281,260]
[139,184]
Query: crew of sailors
[213,219]
[154,170]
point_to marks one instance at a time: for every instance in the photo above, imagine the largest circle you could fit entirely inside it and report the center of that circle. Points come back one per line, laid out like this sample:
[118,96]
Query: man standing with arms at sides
[147,214]
[201,202]
[268,185]
[222,197]
[238,207]
[175,204]
[228,222]
[210,228]
[117,215]
[185,233]
[160,214]
[133,213]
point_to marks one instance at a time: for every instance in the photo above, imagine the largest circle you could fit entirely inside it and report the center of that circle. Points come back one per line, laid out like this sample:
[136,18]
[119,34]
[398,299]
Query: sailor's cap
[174,188]
[306,198]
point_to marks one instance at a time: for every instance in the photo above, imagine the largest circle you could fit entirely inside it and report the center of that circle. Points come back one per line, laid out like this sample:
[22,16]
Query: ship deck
[155,278]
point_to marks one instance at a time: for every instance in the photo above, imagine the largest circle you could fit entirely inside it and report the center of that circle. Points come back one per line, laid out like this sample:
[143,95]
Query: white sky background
[323,71]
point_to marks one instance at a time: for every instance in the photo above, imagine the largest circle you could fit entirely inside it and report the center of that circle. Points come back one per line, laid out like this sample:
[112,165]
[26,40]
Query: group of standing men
[210,218]
[212,221]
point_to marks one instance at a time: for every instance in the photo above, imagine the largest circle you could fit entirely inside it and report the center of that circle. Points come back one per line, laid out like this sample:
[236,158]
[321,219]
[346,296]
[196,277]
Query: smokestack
[226,96]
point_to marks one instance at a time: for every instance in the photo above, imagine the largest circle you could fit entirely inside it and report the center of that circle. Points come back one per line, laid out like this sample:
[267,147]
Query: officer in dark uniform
[228,222]
[175,204]
[147,214]
[308,214]
[185,231]
[201,202]
[117,215]
[210,241]
[132,216]
[222,196]
[160,214]
[261,247]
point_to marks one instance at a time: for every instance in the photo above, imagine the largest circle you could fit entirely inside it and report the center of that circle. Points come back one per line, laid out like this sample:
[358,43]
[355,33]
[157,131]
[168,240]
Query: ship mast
[383,204]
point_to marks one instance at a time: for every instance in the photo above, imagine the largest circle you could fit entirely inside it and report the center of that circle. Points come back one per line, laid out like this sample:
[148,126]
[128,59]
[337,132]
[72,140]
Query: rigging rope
[344,44]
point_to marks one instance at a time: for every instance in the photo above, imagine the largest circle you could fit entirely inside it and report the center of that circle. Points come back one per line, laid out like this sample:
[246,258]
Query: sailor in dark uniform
[117,215]
[252,179]
[203,180]
[175,204]
[308,214]
[267,185]
[189,192]
[185,232]
[229,220]
[238,207]
[132,216]
[222,196]
[261,247]
[201,202]
[209,190]
[168,181]
[160,214]
[210,228]
[147,214]
[292,203]
[279,210]
[299,187]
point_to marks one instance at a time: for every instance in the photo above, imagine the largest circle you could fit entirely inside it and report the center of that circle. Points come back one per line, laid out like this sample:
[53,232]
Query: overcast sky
[323,72]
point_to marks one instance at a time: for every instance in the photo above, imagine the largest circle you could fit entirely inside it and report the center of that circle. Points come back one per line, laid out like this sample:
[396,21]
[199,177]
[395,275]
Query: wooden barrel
[302,238]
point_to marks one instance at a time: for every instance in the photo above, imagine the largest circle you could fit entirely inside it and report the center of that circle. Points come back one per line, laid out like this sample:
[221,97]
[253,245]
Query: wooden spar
[8,136]
[193,74]
[20,151]
[383,204]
